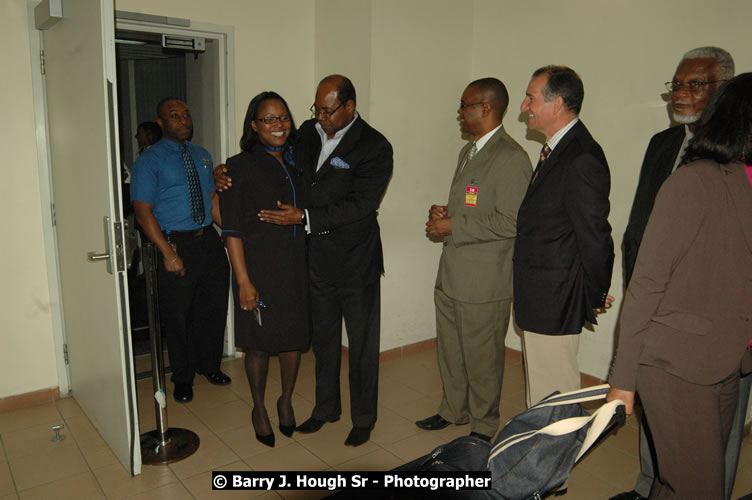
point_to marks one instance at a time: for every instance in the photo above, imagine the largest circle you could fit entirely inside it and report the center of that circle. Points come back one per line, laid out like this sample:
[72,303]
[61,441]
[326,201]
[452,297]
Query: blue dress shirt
[159,179]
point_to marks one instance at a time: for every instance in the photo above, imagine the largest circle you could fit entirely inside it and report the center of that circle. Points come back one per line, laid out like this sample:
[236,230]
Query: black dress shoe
[433,423]
[267,439]
[628,495]
[480,436]
[287,430]
[358,436]
[218,378]
[312,425]
[183,393]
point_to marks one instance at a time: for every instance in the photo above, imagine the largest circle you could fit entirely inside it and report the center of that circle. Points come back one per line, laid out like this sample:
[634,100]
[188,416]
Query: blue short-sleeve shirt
[159,179]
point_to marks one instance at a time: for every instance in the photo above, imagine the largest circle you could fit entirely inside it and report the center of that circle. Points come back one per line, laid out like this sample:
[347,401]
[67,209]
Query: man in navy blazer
[347,164]
[564,253]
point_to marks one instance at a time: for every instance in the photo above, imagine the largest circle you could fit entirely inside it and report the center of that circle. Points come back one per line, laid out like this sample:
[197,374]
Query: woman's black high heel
[267,439]
[287,430]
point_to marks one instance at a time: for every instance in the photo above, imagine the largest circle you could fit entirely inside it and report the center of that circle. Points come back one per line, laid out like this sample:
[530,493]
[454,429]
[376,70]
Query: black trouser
[193,307]
[361,309]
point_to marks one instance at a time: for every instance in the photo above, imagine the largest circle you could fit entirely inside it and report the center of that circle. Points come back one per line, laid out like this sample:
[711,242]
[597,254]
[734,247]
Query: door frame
[225,35]
[46,196]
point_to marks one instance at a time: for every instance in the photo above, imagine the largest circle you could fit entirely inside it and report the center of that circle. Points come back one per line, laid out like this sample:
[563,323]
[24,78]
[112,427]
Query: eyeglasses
[692,87]
[467,105]
[315,112]
[270,119]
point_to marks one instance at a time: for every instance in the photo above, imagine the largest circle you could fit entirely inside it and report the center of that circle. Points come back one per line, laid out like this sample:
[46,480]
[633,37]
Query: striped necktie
[194,186]
[545,151]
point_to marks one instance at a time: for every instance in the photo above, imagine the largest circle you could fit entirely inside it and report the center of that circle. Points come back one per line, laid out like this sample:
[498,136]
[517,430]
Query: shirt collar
[484,138]
[556,138]
[167,143]
[337,135]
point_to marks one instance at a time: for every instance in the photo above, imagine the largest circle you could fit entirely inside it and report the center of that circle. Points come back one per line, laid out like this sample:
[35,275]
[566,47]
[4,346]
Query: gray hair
[723,58]
[565,82]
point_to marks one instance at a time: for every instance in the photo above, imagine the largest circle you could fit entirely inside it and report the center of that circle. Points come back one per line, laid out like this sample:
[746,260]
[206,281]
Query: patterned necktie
[545,151]
[470,154]
[194,186]
[473,150]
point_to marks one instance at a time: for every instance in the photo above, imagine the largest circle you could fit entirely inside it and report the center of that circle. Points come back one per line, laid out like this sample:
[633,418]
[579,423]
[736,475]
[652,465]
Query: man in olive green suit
[473,291]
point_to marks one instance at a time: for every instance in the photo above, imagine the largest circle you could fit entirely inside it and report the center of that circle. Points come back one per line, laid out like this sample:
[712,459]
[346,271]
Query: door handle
[97,256]
[94,256]
[119,256]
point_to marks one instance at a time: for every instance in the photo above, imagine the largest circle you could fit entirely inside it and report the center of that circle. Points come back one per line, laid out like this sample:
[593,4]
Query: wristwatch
[303,218]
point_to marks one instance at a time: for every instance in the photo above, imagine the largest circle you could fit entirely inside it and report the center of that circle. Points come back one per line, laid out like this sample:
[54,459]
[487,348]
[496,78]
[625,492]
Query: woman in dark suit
[687,318]
[269,262]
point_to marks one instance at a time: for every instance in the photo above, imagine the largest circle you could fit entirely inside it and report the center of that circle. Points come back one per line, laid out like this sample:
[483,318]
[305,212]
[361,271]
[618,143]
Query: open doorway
[154,62]
[77,134]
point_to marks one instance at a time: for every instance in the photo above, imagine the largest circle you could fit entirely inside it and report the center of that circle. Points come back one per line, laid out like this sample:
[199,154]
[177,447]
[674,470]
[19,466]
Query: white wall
[343,45]
[410,61]
[420,66]
[27,356]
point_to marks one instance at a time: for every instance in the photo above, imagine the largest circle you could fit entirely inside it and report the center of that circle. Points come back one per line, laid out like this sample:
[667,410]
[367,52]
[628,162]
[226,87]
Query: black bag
[532,455]
[466,453]
[536,450]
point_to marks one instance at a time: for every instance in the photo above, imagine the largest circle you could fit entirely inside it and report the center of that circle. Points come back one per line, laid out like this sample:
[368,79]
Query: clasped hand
[439,223]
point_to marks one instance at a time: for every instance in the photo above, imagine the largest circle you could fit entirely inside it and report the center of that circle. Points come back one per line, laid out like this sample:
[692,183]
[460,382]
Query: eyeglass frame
[693,86]
[323,111]
[274,119]
[464,105]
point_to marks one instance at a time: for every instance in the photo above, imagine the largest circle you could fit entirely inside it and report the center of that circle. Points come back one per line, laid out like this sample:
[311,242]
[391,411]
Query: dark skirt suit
[275,255]
[686,324]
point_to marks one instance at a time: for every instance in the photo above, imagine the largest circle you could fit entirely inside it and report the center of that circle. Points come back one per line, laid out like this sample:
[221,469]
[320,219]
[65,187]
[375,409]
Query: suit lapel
[558,152]
[346,145]
[741,192]
[482,155]
[666,159]
[307,149]
[463,153]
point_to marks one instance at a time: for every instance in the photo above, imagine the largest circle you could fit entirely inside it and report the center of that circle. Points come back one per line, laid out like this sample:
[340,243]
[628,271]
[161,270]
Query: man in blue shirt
[172,190]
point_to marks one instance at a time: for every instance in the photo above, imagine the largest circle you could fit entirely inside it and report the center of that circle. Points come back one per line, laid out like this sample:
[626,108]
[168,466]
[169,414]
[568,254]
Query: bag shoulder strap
[593,393]
[600,418]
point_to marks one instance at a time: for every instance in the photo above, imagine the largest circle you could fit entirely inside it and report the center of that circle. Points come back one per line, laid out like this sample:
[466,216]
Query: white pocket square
[338,162]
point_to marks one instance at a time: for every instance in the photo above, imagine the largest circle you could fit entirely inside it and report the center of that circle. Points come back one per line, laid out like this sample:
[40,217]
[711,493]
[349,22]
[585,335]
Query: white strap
[600,418]
[593,393]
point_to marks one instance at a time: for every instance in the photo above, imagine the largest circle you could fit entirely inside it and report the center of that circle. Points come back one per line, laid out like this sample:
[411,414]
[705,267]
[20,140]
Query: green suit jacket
[476,262]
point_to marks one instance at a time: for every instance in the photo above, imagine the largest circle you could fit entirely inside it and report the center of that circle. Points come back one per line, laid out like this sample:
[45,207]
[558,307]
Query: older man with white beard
[699,73]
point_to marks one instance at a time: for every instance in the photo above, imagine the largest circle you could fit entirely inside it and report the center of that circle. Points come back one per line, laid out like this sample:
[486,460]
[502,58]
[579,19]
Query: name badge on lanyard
[471,196]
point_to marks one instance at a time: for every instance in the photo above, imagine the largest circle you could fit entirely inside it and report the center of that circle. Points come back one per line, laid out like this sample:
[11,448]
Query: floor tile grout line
[80,450]
[7,463]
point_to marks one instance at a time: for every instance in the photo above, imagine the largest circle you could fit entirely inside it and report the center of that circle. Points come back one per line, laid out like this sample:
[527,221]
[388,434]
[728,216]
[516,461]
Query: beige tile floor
[82,466]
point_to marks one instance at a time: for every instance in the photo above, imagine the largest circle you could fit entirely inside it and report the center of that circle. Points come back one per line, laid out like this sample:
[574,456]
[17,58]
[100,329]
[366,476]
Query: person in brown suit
[687,317]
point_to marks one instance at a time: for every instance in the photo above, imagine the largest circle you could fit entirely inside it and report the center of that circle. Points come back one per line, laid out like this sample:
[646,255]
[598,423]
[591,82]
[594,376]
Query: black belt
[195,233]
